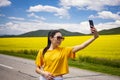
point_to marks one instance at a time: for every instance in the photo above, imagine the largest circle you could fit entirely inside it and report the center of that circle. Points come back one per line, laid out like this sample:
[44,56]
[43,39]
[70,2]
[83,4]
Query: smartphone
[91,23]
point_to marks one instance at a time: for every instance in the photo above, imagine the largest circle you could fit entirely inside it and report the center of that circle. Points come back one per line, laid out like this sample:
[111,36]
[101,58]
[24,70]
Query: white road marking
[9,67]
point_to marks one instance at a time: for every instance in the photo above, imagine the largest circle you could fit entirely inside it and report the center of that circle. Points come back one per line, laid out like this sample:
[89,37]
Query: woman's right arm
[39,71]
[47,75]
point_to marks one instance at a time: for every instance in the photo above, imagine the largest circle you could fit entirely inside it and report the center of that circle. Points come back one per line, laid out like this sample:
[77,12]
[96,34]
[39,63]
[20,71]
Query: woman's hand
[94,32]
[48,75]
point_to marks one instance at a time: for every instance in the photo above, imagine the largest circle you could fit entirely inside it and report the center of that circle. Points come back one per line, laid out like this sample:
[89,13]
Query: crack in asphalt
[27,74]
[84,76]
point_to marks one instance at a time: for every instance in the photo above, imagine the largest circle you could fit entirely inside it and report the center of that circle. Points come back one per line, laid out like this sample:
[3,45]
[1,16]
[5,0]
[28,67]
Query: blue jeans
[55,78]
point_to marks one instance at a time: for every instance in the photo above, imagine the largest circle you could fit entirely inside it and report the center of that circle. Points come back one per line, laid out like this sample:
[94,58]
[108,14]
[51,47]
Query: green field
[102,55]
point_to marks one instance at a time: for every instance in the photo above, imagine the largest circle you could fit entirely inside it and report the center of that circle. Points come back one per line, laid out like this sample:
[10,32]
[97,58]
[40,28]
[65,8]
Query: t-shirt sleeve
[70,54]
[39,59]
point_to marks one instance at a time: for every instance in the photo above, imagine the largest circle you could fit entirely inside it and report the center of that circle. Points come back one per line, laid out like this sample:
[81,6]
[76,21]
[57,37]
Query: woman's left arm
[86,43]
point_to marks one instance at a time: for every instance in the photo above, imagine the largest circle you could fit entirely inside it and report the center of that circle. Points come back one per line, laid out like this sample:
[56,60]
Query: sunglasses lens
[60,38]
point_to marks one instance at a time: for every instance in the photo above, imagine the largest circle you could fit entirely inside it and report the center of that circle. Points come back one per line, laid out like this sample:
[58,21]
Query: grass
[29,54]
[101,61]
[95,67]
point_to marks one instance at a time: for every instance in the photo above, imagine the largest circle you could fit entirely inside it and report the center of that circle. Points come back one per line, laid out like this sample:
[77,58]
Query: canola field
[106,46]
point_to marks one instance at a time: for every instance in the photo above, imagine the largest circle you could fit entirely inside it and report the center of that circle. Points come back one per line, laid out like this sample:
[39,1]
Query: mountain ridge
[43,33]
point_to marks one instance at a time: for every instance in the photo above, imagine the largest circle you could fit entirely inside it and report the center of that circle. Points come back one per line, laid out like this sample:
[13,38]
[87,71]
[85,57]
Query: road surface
[14,68]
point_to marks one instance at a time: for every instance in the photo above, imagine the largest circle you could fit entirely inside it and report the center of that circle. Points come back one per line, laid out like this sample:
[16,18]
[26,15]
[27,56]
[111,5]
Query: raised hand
[94,32]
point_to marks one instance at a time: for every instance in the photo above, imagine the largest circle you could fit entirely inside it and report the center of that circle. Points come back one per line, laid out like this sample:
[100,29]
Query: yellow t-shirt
[55,61]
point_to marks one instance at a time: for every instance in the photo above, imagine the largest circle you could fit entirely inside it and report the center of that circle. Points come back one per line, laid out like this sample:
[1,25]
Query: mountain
[40,33]
[68,33]
[45,33]
[110,31]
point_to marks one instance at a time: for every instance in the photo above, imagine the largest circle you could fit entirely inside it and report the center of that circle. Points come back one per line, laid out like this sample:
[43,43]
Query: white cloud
[106,15]
[108,25]
[10,28]
[96,5]
[4,3]
[61,12]
[16,18]
[35,16]
[9,24]
[19,27]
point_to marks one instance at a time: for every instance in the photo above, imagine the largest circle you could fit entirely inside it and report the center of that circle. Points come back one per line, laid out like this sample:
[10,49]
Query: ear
[50,38]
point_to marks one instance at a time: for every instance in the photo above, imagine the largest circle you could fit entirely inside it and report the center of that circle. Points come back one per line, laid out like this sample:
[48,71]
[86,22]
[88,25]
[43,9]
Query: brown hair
[50,34]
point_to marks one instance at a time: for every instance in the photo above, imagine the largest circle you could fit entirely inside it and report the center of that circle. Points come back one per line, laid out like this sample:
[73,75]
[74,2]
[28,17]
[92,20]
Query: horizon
[52,29]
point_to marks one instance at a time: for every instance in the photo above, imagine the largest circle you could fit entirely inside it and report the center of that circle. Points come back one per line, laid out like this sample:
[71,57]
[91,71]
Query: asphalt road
[14,68]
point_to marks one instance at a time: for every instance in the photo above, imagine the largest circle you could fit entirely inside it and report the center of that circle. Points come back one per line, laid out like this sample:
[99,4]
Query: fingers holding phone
[93,29]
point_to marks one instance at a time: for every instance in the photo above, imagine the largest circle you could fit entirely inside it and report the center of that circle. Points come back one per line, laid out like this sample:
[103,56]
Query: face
[57,39]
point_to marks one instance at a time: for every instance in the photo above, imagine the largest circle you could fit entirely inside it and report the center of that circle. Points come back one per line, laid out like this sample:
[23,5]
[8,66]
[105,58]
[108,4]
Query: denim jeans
[55,78]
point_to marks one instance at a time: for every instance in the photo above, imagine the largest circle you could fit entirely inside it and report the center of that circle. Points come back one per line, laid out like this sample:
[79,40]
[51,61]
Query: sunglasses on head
[60,38]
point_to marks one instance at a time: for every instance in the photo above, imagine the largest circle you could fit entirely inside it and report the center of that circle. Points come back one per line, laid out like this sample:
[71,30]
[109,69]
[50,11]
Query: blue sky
[20,16]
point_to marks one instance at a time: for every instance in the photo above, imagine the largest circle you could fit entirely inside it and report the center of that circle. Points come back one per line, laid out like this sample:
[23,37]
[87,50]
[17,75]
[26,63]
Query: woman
[51,61]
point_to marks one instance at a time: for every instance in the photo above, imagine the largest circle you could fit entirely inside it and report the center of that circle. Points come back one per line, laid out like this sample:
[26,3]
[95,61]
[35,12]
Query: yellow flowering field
[106,46]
